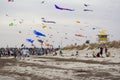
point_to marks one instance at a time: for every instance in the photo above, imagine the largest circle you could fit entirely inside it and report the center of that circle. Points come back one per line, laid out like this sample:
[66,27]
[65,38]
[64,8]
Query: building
[102,36]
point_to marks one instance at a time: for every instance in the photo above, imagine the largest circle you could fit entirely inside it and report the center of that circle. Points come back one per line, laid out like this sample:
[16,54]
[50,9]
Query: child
[55,53]
[94,54]
[108,54]
[76,53]
[98,54]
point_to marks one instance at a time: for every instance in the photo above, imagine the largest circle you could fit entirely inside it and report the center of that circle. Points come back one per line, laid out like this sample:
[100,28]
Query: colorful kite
[77,21]
[11,24]
[44,26]
[57,7]
[79,35]
[30,40]
[39,33]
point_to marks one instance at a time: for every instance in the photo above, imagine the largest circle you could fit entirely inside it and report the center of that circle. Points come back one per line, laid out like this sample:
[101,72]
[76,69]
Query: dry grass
[112,44]
[72,47]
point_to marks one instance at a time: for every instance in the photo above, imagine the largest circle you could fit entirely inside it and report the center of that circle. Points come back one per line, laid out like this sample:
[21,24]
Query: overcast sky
[105,16]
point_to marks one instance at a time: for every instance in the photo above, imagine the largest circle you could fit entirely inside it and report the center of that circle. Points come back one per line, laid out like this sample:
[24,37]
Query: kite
[66,38]
[81,29]
[57,7]
[43,19]
[44,26]
[6,14]
[20,32]
[93,28]
[86,5]
[10,0]
[30,40]
[79,35]
[39,33]
[88,10]
[77,21]
[66,33]
[41,41]
[11,24]
[21,21]
[47,21]
[42,2]
[22,45]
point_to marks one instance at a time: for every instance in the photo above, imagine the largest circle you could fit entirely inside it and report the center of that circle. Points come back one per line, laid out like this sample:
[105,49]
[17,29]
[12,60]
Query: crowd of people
[26,52]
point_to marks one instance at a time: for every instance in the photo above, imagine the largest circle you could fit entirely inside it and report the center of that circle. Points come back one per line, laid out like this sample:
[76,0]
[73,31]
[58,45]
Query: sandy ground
[65,67]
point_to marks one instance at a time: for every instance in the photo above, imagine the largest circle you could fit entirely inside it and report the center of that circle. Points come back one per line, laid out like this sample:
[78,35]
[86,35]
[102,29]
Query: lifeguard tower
[102,36]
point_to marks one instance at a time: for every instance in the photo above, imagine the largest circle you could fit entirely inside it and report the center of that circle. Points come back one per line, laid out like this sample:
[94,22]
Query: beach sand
[66,67]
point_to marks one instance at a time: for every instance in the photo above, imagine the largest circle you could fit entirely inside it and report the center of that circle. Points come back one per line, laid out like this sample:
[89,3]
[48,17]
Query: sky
[26,16]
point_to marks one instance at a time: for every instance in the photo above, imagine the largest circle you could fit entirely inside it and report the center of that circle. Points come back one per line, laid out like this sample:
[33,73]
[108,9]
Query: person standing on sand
[106,50]
[61,52]
[101,51]
[76,53]
[0,53]
[94,54]
[14,53]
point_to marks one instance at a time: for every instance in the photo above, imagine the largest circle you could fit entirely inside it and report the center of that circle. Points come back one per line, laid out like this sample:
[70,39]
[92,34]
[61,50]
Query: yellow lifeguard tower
[102,36]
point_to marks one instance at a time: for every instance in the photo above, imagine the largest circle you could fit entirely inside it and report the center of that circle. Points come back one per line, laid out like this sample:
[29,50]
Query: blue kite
[30,40]
[57,7]
[39,33]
